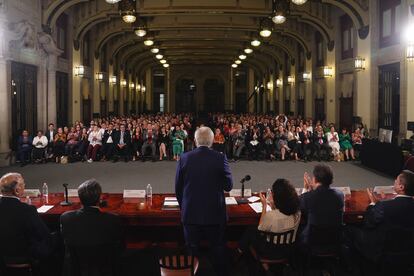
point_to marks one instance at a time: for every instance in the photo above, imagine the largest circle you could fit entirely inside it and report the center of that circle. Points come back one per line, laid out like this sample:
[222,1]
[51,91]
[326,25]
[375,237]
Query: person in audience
[163,140]
[50,135]
[136,143]
[254,142]
[40,143]
[149,138]
[24,147]
[282,143]
[357,137]
[201,179]
[333,141]
[268,138]
[59,144]
[24,237]
[219,140]
[239,142]
[345,143]
[305,137]
[320,204]
[383,216]
[72,141]
[320,142]
[108,143]
[83,145]
[95,143]
[123,143]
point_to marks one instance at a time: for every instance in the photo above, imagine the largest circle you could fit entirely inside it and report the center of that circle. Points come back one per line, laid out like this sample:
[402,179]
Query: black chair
[177,262]
[97,260]
[277,251]
[324,247]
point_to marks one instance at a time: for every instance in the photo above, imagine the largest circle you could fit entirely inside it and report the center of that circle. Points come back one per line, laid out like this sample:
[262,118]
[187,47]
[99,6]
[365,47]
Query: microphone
[66,202]
[243,200]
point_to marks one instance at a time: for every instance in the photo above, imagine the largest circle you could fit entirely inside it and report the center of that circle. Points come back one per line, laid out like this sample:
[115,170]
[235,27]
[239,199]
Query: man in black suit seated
[123,143]
[50,135]
[321,205]
[108,143]
[24,238]
[382,216]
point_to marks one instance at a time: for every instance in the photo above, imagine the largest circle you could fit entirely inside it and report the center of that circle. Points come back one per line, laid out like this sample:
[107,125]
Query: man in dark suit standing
[202,177]
[23,235]
[320,204]
[123,143]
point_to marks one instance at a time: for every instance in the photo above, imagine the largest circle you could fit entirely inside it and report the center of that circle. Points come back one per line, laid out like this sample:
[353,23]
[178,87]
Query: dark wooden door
[23,99]
[62,98]
[389,98]
[320,109]
[86,111]
[104,108]
[346,111]
[301,108]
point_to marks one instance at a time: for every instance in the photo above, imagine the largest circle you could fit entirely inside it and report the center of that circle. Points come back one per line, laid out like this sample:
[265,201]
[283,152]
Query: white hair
[204,136]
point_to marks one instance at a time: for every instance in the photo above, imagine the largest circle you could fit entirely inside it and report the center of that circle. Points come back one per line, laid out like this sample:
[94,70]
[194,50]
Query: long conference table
[147,220]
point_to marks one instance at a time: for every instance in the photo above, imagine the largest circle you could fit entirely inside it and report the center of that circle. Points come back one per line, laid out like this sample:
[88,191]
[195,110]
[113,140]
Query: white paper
[237,192]
[253,199]
[257,207]
[44,209]
[344,190]
[171,198]
[134,193]
[299,191]
[384,189]
[32,192]
[171,203]
[231,201]
[73,193]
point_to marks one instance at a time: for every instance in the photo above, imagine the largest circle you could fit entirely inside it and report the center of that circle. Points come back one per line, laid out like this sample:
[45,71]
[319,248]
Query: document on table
[237,192]
[231,201]
[384,189]
[170,198]
[134,193]
[31,192]
[344,190]
[171,204]
[253,199]
[44,209]
[72,193]
[257,207]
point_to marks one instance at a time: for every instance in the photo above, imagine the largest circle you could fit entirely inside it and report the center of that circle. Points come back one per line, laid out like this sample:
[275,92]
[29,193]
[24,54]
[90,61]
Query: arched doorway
[214,95]
[185,95]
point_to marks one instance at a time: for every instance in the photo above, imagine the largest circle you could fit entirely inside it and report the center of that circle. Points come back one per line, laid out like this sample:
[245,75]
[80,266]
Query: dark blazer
[107,135]
[50,139]
[21,144]
[23,233]
[321,207]
[302,137]
[202,175]
[127,137]
[89,226]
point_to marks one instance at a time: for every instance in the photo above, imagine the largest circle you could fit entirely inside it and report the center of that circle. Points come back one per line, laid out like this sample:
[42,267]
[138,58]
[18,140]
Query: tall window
[62,34]
[320,50]
[347,37]
[390,22]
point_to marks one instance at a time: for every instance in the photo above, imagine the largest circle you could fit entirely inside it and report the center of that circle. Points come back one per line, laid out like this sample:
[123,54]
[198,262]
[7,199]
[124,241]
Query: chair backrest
[97,260]
[282,238]
[177,259]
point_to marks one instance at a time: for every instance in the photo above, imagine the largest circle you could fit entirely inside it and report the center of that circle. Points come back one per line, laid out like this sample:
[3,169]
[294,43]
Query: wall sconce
[112,80]
[138,87]
[270,85]
[123,83]
[80,71]
[410,52]
[307,76]
[290,79]
[99,76]
[327,71]
[359,63]
[131,85]
[279,83]
[143,89]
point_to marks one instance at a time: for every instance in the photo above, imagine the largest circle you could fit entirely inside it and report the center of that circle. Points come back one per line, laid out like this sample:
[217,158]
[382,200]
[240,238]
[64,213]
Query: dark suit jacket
[23,233]
[89,226]
[321,207]
[127,137]
[21,144]
[202,175]
[50,139]
[107,135]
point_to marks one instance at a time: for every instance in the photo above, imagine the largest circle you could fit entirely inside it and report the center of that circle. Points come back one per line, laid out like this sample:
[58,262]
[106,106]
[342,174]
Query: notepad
[170,198]
[237,192]
[44,209]
[253,199]
[31,192]
[231,201]
[258,208]
[134,193]
[384,189]
[73,193]
[171,203]
[344,190]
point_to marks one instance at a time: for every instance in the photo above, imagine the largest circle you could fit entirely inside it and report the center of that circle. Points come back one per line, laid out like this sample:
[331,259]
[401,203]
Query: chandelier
[248,50]
[299,2]
[140,31]
[127,11]
[265,27]
[148,42]
[112,2]
[155,50]
[255,42]
[280,10]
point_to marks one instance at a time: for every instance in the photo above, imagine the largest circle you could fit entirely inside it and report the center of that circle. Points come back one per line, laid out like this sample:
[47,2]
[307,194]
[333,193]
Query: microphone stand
[242,199]
[66,202]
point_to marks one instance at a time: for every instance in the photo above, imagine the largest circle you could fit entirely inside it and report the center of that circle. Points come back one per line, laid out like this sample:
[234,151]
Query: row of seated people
[319,207]
[264,136]
[110,139]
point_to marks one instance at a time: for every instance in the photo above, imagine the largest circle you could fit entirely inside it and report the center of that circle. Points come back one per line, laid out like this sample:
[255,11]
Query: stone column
[331,95]
[293,89]
[309,110]
[271,91]
[51,89]
[251,90]
[167,105]
[96,92]
[4,112]
[148,91]
[76,87]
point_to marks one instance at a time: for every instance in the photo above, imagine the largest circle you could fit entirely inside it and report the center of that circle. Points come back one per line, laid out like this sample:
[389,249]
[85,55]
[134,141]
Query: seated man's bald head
[12,184]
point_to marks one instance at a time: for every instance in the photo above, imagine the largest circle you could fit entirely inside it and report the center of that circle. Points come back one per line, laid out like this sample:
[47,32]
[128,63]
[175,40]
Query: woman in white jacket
[333,140]
[95,143]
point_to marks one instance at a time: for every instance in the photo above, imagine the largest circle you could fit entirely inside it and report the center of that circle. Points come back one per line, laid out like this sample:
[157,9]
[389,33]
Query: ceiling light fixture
[299,2]
[166,65]
[255,42]
[127,10]
[155,50]
[148,42]
[238,61]
[163,61]
[159,56]
[248,50]
[140,31]
[234,65]
[280,11]
[112,2]
[242,57]
[266,26]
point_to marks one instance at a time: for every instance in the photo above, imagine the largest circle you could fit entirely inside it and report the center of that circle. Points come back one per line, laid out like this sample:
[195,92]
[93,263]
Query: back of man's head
[323,174]
[204,136]
[90,193]
[10,183]
[407,179]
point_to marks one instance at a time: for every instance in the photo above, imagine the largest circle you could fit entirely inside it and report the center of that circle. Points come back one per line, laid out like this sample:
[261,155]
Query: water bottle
[45,190]
[149,191]
[268,196]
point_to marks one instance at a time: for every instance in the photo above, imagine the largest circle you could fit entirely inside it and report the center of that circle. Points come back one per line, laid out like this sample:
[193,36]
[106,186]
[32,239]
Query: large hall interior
[206,137]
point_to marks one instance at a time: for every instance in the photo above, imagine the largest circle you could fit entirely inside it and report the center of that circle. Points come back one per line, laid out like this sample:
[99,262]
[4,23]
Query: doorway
[62,99]
[185,95]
